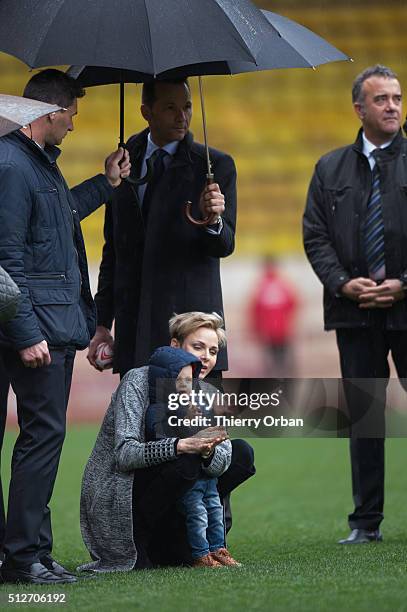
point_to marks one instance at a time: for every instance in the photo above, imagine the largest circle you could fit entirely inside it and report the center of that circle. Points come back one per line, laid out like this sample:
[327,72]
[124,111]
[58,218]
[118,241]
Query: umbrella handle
[146,178]
[188,207]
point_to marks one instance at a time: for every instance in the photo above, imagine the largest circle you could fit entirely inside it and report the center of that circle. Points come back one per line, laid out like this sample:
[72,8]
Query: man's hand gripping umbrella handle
[188,206]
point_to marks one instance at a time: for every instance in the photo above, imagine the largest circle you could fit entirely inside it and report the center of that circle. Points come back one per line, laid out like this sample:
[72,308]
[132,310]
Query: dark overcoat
[334,228]
[149,273]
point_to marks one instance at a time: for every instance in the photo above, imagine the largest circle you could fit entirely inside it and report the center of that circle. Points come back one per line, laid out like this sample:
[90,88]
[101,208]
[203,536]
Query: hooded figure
[165,366]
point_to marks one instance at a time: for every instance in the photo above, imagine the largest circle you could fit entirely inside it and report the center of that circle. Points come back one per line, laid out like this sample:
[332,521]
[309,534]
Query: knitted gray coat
[106,499]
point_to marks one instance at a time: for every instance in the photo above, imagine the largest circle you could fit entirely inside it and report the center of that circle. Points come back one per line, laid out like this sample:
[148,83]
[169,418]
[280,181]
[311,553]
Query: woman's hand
[215,431]
[199,446]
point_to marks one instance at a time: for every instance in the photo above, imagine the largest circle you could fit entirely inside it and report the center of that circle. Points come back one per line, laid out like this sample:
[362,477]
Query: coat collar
[389,152]
[48,155]
[137,146]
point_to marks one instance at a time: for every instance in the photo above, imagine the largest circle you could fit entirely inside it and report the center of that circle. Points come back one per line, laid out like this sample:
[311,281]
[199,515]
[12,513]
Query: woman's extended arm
[129,404]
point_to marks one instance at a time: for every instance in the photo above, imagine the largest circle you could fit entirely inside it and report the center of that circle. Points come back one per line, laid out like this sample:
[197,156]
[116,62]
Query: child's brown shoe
[223,556]
[206,561]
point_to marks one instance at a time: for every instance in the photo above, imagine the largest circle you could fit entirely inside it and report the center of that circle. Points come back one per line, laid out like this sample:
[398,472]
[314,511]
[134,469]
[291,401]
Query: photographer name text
[231,421]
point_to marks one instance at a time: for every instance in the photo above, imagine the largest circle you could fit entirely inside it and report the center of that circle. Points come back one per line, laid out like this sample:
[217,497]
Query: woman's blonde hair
[181,325]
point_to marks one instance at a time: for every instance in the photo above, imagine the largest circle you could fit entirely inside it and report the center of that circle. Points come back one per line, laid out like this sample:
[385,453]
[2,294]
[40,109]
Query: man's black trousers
[364,355]
[42,399]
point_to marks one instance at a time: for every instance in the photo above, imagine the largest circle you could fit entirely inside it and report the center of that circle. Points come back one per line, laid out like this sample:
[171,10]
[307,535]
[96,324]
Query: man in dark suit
[355,236]
[155,262]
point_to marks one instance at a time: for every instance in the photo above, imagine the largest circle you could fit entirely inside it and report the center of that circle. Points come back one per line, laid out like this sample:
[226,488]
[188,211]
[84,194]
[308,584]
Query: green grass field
[286,523]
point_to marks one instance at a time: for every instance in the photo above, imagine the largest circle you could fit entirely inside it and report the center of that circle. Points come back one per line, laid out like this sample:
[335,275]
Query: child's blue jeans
[204,517]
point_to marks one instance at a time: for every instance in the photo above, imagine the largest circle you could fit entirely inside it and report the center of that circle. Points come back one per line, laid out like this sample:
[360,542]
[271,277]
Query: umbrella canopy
[149,36]
[295,47]
[16,112]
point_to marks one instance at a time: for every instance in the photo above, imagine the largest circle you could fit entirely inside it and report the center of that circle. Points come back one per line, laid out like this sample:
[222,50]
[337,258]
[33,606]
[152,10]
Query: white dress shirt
[369,147]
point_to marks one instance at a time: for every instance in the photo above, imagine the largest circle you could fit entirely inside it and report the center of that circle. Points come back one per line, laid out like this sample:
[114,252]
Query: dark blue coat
[164,366]
[42,248]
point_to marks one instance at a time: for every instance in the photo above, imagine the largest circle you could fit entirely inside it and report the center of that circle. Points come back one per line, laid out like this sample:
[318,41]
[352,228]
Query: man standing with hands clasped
[355,236]
[42,248]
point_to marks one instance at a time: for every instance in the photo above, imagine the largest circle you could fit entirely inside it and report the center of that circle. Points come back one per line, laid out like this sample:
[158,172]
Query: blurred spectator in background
[272,316]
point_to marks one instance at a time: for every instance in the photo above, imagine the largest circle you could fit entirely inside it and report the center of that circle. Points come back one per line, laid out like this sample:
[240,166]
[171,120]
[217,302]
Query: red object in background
[273,308]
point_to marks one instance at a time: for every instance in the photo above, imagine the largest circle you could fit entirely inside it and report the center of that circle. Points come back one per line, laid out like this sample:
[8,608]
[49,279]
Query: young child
[174,370]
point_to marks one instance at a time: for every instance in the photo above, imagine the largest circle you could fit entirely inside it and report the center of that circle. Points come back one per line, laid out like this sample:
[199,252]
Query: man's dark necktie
[374,226]
[158,170]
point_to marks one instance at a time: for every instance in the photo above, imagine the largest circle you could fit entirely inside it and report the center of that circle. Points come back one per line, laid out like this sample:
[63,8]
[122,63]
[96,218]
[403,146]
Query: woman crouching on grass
[131,488]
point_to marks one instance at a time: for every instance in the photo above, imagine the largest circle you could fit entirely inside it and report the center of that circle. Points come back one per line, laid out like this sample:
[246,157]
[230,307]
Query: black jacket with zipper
[333,227]
[42,248]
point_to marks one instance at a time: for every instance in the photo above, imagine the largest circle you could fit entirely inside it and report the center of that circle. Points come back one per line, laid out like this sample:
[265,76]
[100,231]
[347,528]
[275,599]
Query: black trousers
[42,399]
[4,388]
[157,523]
[364,355]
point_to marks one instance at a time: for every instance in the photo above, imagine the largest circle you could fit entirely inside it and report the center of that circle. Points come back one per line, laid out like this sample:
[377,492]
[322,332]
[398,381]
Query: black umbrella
[294,47]
[148,36]
[145,35]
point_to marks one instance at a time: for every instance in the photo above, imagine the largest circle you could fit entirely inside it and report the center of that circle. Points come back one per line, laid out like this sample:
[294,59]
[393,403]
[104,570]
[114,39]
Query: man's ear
[359,110]
[146,112]
[174,343]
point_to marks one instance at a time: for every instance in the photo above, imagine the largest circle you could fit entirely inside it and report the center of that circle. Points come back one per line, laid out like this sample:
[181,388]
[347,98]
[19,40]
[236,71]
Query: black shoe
[143,561]
[36,573]
[142,538]
[362,536]
[57,569]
